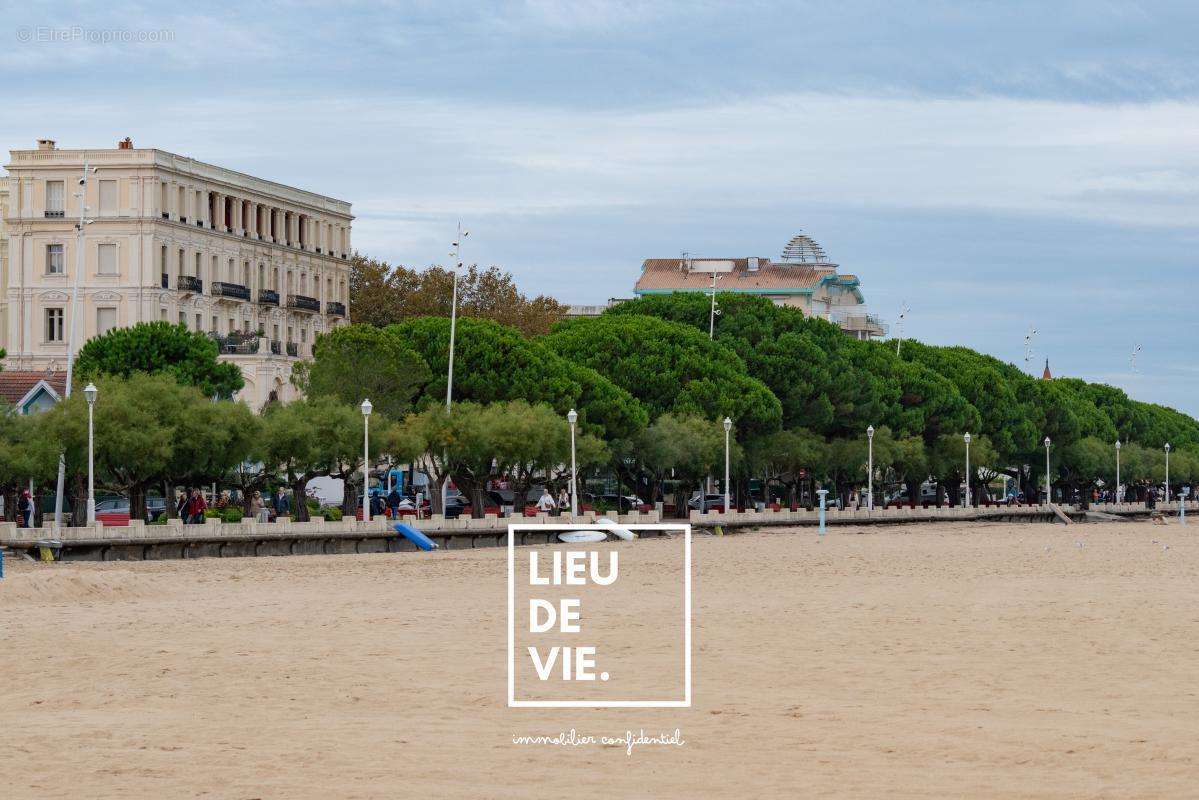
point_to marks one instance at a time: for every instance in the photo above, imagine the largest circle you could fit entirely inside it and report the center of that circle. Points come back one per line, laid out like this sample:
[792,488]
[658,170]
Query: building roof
[673,274]
[15,385]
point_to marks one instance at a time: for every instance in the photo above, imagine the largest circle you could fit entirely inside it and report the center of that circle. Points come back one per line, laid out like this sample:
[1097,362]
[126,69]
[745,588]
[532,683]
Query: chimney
[46,144]
[125,144]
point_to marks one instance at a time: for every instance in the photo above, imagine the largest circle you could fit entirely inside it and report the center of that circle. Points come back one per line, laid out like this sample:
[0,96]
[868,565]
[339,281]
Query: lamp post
[89,393]
[1117,491]
[1048,491]
[728,426]
[366,455]
[870,468]
[967,440]
[712,315]
[1167,472]
[71,326]
[449,379]
[572,417]
[823,494]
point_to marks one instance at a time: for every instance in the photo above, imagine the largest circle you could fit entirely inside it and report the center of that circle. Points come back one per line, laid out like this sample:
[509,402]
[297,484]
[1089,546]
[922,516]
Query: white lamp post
[967,440]
[449,380]
[572,417]
[79,228]
[366,456]
[728,426]
[1117,492]
[870,468]
[1048,490]
[89,393]
[1167,472]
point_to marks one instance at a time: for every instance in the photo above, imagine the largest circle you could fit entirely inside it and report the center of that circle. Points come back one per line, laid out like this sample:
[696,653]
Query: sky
[994,166]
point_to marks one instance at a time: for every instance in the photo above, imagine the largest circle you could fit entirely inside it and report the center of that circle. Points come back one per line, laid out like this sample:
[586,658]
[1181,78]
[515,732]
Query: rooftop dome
[803,249]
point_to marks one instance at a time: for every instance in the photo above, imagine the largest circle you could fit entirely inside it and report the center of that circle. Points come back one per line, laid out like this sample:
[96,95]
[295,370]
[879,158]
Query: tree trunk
[299,501]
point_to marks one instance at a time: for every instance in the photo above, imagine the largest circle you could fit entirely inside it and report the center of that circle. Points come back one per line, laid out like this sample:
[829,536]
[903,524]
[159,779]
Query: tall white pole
[1167,472]
[366,459]
[91,477]
[967,470]
[728,426]
[449,381]
[870,468]
[79,226]
[1048,488]
[712,315]
[572,417]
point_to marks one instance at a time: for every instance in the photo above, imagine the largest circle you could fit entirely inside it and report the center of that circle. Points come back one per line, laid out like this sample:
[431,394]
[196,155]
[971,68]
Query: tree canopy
[151,347]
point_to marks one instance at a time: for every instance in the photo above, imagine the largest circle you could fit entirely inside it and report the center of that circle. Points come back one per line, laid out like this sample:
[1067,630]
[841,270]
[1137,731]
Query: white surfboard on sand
[619,533]
[582,536]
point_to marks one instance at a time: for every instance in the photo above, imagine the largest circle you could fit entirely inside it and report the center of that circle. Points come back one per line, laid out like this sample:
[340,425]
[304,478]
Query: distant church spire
[1046,375]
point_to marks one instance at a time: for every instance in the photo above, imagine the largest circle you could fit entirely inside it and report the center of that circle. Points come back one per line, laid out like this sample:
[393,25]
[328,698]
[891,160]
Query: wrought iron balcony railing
[268,297]
[189,283]
[233,290]
[335,309]
[303,303]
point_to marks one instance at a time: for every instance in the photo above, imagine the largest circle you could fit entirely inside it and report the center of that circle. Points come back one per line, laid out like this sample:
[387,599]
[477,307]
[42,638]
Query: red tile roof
[15,384]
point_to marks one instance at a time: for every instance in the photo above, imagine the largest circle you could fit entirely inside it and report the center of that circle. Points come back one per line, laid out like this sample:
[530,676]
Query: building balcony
[276,347]
[293,349]
[237,344]
[335,309]
[233,291]
[55,214]
[189,283]
[303,303]
[268,297]
[859,324]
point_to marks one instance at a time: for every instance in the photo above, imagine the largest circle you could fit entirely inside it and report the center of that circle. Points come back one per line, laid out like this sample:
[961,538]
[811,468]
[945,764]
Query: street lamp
[1048,491]
[449,380]
[870,468]
[967,440]
[572,417]
[1167,472]
[89,393]
[1117,492]
[728,426]
[79,230]
[366,455]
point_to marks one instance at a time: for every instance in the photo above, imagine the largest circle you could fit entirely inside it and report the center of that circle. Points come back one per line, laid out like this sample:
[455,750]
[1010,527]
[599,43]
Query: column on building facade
[218,211]
[254,220]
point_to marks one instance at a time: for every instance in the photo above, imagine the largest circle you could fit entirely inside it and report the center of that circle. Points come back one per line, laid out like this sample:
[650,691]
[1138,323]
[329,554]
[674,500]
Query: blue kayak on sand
[415,536]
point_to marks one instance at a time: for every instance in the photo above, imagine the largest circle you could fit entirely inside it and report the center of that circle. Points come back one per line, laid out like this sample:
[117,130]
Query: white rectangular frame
[514,703]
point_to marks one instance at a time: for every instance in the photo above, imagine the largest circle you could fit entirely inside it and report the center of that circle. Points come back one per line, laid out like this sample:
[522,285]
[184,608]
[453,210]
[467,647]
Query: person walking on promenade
[258,508]
[393,501]
[196,507]
[25,509]
[282,504]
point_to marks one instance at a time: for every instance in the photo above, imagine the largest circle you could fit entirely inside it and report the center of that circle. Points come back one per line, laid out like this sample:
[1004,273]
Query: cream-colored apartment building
[262,266]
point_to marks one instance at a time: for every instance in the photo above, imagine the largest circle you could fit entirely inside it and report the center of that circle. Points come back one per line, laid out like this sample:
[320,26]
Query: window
[181,258]
[216,326]
[303,334]
[182,317]
[106,262]
[106,320]
[54,325]
[199,322]
[54,198]
[275,332]
[54,259]
[108,198]
[289,333]
[199,265]
[164,315]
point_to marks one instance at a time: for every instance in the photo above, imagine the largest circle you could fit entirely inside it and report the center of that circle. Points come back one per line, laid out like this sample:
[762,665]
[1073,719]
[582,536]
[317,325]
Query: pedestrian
[257,507]
[196,507]
[546,503]
[181,501]
[393,501]
[563,498]
[282,504]
[25,509]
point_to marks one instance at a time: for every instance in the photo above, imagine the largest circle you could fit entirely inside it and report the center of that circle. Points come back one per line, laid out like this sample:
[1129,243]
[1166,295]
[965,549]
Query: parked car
[707,502]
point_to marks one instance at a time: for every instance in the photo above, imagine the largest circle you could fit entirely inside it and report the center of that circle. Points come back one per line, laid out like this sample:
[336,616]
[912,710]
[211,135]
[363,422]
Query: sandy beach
[989,661]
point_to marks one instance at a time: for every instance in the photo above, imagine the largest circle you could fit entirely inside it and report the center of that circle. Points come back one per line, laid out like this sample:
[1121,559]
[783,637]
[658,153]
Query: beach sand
[921,661]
